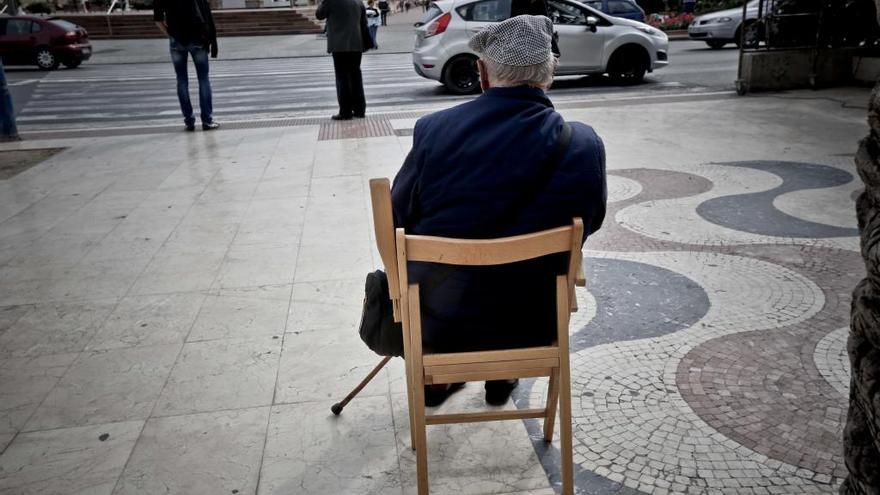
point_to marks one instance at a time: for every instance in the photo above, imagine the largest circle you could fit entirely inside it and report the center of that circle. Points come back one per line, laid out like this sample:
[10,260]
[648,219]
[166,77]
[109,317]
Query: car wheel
[716,44]
[461,76]
[752,36]
[73,64]
[628,65]
[47,60]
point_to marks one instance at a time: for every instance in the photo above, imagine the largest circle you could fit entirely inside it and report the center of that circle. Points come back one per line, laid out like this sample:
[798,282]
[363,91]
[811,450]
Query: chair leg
[410,391]
[552,400]
[565,450]
[420,441]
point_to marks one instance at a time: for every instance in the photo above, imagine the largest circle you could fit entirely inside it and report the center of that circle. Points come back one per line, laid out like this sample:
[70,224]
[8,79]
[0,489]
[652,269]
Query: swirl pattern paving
[713,357]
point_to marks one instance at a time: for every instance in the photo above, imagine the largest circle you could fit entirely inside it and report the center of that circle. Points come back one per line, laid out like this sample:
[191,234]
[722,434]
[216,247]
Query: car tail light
[71,36]
[439,26]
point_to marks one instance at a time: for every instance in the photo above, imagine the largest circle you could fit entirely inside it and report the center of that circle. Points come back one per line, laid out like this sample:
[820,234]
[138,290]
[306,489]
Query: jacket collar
[520,93]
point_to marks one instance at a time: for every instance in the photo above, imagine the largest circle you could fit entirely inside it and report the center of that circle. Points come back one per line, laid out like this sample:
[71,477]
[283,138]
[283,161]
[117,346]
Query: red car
[45,42]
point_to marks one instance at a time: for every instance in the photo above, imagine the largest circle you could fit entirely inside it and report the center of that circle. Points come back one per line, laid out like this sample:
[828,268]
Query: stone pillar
[862,433]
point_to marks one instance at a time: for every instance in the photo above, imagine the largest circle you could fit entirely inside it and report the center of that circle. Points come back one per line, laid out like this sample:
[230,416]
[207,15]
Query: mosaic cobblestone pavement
[178,312]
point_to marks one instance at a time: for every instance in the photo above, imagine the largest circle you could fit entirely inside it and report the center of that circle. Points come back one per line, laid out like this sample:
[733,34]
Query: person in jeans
[189,26]
[346,25]
[8,130]
[492,168]
[373,22]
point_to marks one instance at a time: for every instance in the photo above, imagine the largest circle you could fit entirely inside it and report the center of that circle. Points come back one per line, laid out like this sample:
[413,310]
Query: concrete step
[238,23]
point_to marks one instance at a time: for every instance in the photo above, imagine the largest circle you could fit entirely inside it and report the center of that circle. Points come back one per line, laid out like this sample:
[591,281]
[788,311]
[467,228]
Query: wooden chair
[397,248]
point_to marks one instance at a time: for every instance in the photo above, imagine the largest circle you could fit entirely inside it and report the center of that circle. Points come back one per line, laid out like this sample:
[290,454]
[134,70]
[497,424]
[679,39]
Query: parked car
[44,42]
[725,26]
[590,42]
[627,9]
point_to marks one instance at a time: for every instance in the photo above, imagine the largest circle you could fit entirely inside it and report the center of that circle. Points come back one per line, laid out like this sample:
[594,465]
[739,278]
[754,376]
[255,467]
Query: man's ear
[484,75]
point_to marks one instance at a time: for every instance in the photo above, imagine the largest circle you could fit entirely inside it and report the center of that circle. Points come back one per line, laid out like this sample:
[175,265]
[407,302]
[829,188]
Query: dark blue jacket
[469,165]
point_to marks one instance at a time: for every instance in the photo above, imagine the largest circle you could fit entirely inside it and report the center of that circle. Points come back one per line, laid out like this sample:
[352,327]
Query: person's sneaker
[189,127]
[498,391]
[437,394]
[339,116]
[210,126]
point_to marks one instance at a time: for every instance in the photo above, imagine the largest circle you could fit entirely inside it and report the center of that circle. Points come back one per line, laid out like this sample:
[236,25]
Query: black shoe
[189,127]
[498,391]
[339,116]
[210,126]
[437,394]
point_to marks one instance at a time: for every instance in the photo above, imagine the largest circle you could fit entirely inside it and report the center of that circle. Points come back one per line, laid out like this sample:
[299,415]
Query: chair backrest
[383,224]
[484,252]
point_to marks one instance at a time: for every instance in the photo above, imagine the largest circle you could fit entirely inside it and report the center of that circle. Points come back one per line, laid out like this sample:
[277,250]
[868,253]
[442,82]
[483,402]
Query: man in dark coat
[470,169]
[189,26]
[346,21]
[534,7]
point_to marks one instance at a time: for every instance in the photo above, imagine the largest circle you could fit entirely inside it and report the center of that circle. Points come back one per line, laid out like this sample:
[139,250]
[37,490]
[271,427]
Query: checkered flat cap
[519,41]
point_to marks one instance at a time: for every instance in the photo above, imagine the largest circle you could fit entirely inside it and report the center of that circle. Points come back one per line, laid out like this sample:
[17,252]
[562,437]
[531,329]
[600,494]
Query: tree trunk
[862,433]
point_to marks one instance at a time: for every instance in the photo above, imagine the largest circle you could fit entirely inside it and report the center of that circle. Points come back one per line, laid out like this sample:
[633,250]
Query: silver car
[725,26]
[590,42]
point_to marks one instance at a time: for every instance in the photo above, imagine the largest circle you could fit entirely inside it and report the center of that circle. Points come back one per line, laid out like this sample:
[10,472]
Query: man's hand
[163,26]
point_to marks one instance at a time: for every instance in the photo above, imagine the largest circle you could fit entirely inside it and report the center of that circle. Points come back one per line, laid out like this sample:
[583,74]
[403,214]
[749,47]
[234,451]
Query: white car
[590,42]
[720,28]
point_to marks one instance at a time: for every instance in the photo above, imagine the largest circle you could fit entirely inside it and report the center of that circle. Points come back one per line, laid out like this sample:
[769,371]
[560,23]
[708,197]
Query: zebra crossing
[109,95]
[146,93]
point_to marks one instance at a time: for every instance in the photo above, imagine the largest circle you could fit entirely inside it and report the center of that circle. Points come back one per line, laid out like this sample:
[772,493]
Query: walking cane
[337,408]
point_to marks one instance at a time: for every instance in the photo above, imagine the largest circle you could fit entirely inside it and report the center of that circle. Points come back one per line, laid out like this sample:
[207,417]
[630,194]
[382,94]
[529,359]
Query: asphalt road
[133,94]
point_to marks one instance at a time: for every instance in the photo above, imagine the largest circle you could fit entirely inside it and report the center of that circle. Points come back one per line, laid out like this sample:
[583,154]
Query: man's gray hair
[504,76]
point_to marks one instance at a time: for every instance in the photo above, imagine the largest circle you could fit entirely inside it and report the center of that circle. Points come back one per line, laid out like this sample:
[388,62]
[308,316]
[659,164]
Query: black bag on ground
[378,329]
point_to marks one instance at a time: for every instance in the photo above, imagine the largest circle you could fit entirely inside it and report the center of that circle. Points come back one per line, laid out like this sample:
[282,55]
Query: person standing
[8,129]
[190,28]
[347,40]
[373,21]
[383,9]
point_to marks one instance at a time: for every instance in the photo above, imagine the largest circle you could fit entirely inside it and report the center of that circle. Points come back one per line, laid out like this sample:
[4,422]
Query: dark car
[45,42]
[627,9]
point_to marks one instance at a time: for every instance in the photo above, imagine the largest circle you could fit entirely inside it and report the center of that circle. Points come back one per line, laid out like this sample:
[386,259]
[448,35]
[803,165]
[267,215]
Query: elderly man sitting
[503,164]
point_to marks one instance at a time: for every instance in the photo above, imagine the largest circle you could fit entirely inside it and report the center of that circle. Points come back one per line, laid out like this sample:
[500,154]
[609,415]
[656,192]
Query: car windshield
[67,26]
[485,11]
[432,12]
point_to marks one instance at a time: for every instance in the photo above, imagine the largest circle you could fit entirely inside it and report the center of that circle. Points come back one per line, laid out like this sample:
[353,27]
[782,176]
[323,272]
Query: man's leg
[343,84]
[179,57]
[8,130]
[206,105]
[358,101]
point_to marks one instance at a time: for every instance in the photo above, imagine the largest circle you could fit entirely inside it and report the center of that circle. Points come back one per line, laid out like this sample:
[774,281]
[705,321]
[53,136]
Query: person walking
[383,9]
[373,21]
[8,129]
[347,40]
[190,28]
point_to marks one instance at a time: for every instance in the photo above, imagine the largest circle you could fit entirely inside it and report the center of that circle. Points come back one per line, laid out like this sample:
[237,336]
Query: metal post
[742,86]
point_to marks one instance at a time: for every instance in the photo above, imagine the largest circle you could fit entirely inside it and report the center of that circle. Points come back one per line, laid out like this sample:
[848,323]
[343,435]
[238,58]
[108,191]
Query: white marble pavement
[178,312]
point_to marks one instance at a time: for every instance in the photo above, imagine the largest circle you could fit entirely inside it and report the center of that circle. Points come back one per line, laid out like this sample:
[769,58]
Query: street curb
[678,35]
[219,59]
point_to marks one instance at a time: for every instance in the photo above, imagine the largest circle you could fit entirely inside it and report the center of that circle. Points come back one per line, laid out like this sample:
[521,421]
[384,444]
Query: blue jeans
[7,114]
[179,56]
[373,32]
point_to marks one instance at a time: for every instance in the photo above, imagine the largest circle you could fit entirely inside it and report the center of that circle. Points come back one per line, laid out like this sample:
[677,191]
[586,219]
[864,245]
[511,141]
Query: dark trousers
[384,17]
[349,84]
[7,115]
